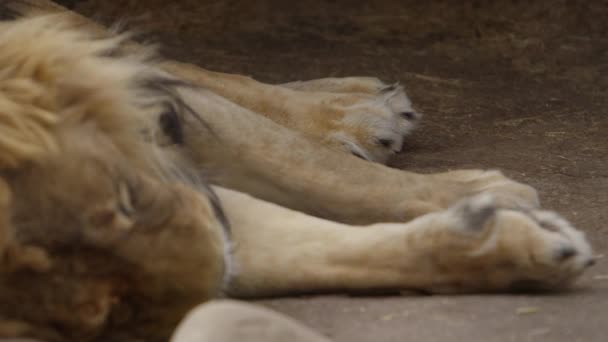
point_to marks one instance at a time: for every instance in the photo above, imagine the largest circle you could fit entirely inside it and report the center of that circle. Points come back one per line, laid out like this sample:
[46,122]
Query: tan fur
[107,234]
[438,252]
[72,157]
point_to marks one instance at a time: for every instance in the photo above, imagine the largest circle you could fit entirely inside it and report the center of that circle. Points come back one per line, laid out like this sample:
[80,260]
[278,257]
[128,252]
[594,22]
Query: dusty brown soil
[516,85]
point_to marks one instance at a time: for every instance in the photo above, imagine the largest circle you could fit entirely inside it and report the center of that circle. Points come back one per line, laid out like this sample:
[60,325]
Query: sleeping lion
[134,188]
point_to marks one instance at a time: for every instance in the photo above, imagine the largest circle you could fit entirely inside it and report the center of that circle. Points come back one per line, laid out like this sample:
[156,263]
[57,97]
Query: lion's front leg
[474,246]
[371,121]
[247,152]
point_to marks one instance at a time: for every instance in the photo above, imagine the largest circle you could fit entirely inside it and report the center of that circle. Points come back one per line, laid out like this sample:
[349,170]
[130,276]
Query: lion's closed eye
[119,214]
[125,200]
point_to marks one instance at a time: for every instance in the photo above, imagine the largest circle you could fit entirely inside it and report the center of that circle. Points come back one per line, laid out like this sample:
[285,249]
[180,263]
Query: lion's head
[97,232]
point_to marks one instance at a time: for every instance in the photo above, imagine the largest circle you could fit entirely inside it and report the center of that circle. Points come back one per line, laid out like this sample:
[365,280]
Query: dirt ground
[516,85]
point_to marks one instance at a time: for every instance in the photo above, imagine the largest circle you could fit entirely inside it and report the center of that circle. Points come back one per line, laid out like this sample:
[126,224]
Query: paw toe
[476,211]
[409,116]
[578,253]
[564,253]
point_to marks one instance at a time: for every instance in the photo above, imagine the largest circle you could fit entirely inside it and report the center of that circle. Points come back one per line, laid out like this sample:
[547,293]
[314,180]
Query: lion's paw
[492,248]
[466,183]
[373,118]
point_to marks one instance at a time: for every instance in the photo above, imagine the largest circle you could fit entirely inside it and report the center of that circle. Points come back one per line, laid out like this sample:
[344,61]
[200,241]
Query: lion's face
[85,221]
[92,234]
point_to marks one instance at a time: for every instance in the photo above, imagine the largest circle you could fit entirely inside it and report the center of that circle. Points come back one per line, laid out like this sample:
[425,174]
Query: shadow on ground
[517,85]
